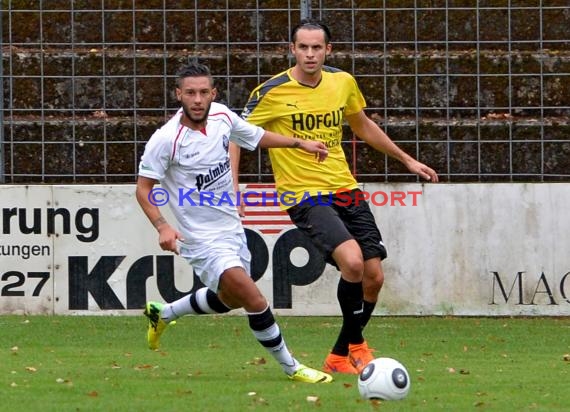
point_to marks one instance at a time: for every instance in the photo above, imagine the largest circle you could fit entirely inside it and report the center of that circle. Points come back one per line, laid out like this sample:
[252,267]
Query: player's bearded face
[196,95]
[193,114]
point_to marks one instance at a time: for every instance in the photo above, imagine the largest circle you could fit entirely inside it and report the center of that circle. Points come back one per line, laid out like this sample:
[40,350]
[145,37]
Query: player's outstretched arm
[167,234]
[371,133]
[274,140]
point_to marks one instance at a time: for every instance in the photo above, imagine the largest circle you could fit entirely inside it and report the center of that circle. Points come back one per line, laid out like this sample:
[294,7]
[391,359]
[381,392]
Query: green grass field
[214,364]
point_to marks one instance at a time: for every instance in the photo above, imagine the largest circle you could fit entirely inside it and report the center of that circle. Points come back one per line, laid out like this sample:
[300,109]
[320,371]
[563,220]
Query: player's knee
[352,269]
[255,304]
[377,280]
[372,288]
[229,300]
[248,296]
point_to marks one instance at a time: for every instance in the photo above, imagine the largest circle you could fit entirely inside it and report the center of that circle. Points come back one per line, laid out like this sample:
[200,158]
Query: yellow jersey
[285,106]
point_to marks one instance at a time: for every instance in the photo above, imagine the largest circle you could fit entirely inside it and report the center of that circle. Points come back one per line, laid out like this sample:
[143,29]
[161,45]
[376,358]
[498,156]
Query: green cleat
[156,325]
[310,375]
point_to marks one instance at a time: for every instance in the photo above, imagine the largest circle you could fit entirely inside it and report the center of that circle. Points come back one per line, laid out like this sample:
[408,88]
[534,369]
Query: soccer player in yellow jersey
[312,101]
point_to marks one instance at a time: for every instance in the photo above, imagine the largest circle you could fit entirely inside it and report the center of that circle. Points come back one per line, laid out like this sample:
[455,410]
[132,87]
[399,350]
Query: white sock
[270,337]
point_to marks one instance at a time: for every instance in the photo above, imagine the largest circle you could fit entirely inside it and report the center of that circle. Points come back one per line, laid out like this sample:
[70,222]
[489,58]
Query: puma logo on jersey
[292,105]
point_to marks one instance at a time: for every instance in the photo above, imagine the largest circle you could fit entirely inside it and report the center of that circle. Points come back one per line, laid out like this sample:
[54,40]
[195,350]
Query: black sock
[349,295]
[368,308]
[205,301]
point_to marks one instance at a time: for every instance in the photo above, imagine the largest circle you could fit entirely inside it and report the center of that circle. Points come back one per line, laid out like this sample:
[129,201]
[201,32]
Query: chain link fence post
[305,9]
[1,102]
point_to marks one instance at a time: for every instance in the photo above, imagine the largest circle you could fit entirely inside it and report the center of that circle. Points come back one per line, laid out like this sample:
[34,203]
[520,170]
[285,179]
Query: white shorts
[209,260]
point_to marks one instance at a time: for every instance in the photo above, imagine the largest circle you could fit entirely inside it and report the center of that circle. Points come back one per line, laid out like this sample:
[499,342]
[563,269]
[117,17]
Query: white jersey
[194,168]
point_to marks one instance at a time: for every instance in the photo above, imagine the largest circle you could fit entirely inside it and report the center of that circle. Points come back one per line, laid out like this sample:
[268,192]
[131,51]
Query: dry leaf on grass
[145,366]
[257,361]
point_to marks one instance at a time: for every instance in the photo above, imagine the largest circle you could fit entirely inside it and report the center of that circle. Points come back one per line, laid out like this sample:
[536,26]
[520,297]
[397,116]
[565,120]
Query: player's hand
[318,148]
[168,237]
[423,171]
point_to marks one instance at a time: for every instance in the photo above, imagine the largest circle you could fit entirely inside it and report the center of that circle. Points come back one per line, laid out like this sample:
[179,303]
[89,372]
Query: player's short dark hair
[193,69]
[311,24]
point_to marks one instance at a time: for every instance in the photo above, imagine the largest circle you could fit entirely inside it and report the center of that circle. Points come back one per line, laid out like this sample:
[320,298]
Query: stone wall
[84,90]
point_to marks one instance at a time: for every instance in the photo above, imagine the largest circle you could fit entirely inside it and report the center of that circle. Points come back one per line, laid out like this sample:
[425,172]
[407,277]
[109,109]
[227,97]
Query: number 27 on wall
[17,279]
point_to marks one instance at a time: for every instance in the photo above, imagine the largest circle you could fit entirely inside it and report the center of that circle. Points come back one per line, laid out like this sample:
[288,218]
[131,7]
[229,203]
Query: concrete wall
[453,249]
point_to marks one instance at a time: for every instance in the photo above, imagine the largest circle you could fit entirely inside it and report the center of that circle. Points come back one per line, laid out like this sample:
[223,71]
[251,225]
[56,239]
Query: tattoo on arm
[158,222]
[296,143]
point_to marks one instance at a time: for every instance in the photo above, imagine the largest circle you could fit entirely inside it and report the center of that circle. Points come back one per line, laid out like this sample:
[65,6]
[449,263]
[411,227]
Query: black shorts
[332,221]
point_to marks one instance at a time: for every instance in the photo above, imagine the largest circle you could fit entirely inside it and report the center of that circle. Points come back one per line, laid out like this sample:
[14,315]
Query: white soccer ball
[384,378]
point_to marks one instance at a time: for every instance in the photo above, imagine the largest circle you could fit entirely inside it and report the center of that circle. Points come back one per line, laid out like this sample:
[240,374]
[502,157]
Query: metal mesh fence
[480,90]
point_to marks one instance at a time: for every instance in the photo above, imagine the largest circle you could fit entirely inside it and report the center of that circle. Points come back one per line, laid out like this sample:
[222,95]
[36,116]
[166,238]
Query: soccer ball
[384,378]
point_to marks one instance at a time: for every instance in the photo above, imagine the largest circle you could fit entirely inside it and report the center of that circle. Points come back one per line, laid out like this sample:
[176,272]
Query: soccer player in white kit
[189,157]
